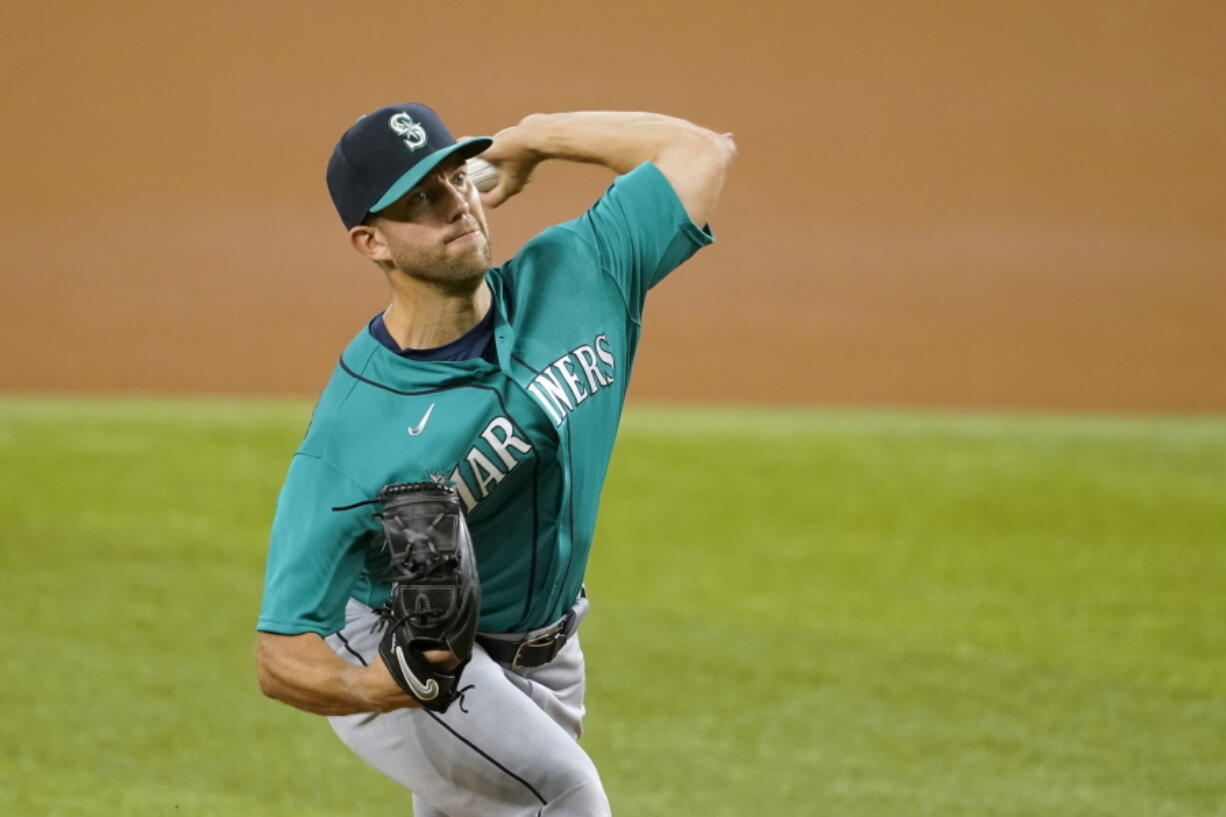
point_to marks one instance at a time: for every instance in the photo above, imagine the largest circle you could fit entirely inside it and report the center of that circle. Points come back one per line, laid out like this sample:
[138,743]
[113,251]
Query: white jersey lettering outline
[565,366]
[478,462]
[508,440]
[544,401]
[559,401]
[586,356]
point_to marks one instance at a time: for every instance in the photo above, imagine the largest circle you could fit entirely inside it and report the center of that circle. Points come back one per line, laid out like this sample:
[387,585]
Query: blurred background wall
[980,204]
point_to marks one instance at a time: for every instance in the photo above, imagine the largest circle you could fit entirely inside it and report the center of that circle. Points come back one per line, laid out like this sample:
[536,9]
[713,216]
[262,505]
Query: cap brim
[468,148]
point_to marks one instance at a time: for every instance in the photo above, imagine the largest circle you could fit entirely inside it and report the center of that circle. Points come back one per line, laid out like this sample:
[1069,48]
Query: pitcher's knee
[585,799]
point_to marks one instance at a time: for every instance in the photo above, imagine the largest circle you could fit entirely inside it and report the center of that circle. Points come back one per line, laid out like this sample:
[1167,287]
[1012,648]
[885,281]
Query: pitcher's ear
[367,240]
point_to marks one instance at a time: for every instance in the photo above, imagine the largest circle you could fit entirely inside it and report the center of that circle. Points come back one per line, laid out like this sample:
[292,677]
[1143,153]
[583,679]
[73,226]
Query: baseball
[484,175]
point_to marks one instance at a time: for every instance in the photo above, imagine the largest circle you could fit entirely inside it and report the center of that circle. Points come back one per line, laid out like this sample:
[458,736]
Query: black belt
[536,649]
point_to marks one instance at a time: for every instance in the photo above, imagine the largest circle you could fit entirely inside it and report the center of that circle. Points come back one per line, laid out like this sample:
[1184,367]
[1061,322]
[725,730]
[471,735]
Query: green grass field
[794,613]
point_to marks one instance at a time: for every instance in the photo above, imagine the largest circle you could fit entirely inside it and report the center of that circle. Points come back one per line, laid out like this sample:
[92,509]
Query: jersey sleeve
[316,555]
[641,232]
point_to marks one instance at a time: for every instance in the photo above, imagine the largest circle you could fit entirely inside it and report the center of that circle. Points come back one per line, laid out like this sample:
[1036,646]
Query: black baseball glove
[436,594]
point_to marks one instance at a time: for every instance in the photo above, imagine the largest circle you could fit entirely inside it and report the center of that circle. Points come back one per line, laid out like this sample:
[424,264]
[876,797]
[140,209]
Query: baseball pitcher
[424,586]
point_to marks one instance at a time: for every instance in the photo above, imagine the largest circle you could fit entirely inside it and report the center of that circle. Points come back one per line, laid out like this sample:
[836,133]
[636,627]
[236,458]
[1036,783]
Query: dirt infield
[958,204]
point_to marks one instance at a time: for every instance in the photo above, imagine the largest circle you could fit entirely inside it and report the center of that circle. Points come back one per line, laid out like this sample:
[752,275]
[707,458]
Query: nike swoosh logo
[421,426]
[424,692]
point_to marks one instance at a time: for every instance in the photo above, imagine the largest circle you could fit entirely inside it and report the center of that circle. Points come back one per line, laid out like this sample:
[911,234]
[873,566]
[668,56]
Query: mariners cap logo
[382,155]
[413,133]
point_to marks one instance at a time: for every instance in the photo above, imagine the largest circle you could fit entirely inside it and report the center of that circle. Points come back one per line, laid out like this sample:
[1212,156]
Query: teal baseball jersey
[525,441]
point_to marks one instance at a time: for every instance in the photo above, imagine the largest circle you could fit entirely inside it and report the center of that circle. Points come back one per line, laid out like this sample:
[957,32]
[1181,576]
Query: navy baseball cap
[385,153]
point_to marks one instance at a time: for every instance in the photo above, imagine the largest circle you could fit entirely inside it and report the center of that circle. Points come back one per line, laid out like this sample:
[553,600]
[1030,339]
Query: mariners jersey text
[497,443]
[568,381]
[559,389]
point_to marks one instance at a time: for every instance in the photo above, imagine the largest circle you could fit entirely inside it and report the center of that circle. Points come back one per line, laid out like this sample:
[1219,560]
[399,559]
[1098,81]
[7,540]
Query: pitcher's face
[437,231]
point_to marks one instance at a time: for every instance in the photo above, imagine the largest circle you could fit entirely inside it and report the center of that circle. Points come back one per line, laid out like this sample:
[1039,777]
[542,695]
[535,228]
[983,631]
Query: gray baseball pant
[513,753]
